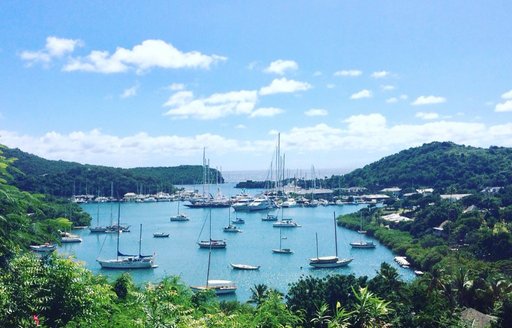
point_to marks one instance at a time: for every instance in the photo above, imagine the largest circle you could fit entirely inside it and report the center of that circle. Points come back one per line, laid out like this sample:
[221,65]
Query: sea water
[180,255]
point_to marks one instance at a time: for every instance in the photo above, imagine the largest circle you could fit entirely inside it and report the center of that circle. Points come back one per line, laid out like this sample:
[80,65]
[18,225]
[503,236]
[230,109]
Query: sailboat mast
[140,239]
[210,250]
[335,235]
[316,236]
[118,228]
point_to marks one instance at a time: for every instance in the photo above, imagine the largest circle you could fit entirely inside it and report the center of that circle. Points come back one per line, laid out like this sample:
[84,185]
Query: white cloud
[380,74]
[240,126]
[317,73]
[55,47]
[361,133]
[361,94]
[142,57]
[280,66]
[184,105]
[316,112]
[504,107]
[350,73]
[507,95]
[130,92]
[283,85]
[387,87]
[427,115]
[394,100]
[428,100]
[176,87]
[330,86]
[266,112]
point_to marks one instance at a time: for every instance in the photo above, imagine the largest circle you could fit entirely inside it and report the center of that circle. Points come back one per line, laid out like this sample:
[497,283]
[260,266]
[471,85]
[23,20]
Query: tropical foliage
[61,178]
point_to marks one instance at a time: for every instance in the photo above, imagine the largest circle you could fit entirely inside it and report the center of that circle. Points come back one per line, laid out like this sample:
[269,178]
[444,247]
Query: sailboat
[220,287]
[124,261]
[231,227]
[211,243]
[180,217]
[285,223]
[329,261]
[362,243]
[98,228]
[281,250]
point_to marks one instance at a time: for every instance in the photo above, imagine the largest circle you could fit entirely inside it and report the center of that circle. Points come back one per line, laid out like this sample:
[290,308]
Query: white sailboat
[231,227]
[98,228]
[281,250]
[329,261]
[124,261]
[220,287]
[211,243]
[180,217]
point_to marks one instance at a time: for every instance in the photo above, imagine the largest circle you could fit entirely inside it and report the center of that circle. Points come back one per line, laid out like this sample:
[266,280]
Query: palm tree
[462,285]
[259,294]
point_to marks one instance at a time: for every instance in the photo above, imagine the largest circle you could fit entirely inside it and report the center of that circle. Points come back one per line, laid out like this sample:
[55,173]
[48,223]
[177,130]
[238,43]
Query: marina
[180,255]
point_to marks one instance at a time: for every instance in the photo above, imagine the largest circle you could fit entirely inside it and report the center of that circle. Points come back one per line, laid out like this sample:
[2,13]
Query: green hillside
[444,166]
[61,178]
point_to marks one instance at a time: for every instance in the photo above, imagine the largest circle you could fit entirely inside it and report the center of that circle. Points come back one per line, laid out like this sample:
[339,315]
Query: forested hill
[444,166]
[61,178]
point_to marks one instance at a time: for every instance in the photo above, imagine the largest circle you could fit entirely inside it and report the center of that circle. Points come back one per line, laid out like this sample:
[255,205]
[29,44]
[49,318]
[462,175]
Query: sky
[344,83]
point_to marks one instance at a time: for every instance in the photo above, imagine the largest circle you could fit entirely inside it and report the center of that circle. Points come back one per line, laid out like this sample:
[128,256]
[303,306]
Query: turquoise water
[180,255]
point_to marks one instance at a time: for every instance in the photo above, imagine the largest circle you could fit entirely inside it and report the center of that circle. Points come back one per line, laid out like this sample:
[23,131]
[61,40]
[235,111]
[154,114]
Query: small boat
[66,237]
[245,266]
[232,228]
[363,244]
[270,217]
[44,248]
[418,273]
[286,223]
[220,287]
[161,235]
[238,221]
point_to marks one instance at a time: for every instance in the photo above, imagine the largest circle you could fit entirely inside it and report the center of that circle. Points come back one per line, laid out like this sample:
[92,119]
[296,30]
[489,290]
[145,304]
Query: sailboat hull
[128,263]
[319,264]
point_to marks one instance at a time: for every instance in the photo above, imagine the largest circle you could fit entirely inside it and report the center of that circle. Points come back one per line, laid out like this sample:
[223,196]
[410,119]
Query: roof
[454,196]
[395,217]
[392,189]
[476,318]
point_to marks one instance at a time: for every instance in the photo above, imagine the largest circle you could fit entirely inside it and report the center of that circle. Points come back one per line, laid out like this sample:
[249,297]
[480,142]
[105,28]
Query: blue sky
[126,83]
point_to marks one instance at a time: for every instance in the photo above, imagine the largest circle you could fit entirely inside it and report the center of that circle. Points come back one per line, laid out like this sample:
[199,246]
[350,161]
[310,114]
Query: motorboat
[269,217]
[161,235]
[363,244]
[286,223]
[43,248]
[212,243]
[66,237]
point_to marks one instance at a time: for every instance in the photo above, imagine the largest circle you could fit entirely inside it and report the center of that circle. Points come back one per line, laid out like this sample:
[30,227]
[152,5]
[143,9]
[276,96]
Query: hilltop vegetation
[59,292]
[61,178]
[444,166]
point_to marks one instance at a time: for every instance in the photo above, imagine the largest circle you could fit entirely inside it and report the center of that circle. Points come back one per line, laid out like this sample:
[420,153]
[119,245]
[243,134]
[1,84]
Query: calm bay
[180,255]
